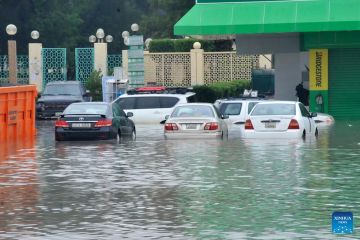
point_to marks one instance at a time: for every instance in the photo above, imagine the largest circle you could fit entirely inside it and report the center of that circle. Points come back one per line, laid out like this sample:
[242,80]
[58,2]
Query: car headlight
[40,106]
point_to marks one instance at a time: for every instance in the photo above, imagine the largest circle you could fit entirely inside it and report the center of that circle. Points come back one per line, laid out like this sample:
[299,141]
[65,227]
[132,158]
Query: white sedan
[194,120]
[280,119]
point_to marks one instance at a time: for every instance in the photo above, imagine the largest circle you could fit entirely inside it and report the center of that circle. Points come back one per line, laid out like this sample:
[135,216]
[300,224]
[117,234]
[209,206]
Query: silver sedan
[195,120]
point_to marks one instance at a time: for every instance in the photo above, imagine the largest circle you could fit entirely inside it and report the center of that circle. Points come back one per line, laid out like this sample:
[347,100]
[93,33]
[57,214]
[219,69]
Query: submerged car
[237,109]
[151,107]
[57,96]
[195,120]
[280,119]
[94,120]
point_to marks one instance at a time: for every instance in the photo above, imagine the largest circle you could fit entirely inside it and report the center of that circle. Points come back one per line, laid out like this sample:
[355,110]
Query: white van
[151,108]
[237,109]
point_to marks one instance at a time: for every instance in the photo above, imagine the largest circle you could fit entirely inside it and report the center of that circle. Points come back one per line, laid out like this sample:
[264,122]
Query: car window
[191,99]
[87,109]
[116,111]
[231,108]
[126,103]
[193,111]
[147,102]
[251,105]
[62,89]
[304,111]
[168,102]
[274,109]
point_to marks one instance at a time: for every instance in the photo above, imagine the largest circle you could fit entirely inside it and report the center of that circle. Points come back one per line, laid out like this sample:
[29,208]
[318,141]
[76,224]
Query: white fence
[197,67]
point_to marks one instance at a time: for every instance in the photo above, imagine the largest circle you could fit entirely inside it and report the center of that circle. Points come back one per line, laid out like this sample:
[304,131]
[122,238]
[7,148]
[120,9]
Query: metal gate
[22,69]
[54,65]
[84,63]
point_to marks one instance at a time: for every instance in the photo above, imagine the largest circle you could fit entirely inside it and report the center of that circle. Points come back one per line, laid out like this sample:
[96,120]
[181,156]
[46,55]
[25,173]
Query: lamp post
[11,31]
[100,50]
[35,61]
[134,63]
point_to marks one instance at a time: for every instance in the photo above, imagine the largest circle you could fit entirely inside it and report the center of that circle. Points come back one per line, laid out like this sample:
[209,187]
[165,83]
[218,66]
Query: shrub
[94,85]
[185,45]
[209,93]
[162,45]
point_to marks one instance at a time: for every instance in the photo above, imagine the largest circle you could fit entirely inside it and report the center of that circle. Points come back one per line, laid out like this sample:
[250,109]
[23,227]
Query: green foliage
[94,85]
[162,45]
[185,45]
[209,93]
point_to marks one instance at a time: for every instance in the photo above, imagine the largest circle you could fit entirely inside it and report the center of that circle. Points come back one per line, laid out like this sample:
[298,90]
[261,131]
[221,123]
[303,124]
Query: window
[193,111]
[147,102]
[231,108]
[274,109]
[87,109]
[63,89]
[126,103]
[251,106]
[168,102]
[116,111]
[304,111]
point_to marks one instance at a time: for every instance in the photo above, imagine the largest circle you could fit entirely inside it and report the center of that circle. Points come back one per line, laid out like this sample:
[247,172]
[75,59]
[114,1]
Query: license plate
[191,126]
[270,125]
[81,125]
[58,114]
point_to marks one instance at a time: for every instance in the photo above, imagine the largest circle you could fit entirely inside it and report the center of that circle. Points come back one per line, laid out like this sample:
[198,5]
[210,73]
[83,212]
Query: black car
[94,120]
[57,96]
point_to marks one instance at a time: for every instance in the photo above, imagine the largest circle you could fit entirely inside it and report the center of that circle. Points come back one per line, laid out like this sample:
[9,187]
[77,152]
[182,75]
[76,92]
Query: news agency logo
[342,222]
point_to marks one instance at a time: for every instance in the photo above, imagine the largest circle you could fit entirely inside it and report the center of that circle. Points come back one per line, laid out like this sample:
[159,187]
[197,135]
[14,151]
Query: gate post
[35,65]
[197,65]
[100,57]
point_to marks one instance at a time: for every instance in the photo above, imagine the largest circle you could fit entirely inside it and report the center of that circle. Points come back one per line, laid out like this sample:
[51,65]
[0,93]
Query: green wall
[221,1]
[330,40]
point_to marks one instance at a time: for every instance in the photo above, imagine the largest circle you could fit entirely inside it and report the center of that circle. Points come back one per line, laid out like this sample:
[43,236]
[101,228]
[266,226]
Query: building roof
[258,17]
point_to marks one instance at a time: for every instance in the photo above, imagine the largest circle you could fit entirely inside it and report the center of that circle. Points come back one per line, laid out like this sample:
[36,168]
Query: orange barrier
[17,112]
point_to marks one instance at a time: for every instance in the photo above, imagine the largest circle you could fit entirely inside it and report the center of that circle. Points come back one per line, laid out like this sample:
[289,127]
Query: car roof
[196,104]
[278,102]
[241,100]
[91,103]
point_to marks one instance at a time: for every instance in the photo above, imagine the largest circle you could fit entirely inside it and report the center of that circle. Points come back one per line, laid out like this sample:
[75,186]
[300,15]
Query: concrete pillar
[197,66]
[12,61]
[288,74]
[125,64]
[100,57]
[35,65]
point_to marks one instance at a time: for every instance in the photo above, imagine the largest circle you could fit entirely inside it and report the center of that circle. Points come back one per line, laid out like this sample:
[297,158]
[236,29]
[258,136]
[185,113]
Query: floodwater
[192,189]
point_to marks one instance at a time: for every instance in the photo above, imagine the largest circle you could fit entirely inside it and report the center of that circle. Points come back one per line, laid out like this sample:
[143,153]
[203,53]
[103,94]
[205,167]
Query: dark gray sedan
[94,120]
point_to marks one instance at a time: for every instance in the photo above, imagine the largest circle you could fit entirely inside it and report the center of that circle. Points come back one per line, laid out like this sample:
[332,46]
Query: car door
[128,124]
[116,117]
[306,118]
[121,119]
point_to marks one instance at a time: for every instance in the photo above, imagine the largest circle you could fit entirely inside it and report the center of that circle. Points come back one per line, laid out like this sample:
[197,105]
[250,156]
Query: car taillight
[61,123]
[293,124]
[248,125]
[211,126]
[171,127]
[104,123]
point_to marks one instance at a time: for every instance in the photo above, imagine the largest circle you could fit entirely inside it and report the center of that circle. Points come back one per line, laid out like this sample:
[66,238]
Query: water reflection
[177,189]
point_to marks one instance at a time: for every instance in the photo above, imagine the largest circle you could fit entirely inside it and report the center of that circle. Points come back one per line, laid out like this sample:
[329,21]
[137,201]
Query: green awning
[270,17]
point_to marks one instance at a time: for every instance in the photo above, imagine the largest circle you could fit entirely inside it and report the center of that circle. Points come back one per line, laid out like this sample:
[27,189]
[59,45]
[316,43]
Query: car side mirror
[313,114]
[225,116]
[129,114]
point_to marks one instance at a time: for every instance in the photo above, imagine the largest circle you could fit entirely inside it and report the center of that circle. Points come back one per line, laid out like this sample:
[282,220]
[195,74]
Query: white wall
[288,74]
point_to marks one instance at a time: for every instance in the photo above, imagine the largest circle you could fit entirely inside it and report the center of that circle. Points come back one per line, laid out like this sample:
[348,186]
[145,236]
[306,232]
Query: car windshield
[62,89]
[86,109]
[193,111]
[274,109]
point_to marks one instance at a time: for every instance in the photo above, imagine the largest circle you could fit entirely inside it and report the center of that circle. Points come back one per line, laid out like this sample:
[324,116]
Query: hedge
[185,45]
[210,93]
